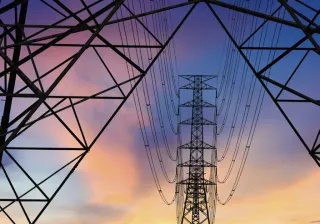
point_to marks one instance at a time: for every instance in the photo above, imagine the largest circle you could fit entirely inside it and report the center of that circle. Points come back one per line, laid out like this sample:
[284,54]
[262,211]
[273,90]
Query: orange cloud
[296,203]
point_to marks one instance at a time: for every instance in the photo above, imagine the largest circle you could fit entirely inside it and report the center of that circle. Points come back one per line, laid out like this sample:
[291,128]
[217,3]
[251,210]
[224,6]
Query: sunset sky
[114,184]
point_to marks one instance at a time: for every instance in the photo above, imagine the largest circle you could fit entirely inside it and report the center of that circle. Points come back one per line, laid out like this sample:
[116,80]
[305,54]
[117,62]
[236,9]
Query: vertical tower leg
[12,79]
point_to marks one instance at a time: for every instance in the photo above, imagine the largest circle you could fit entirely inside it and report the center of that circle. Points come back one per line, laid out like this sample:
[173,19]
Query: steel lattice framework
[196,202]
[18,84]
[22,43]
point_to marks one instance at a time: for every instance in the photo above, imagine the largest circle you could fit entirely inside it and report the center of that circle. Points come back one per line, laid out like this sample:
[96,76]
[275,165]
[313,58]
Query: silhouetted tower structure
[195,209]
[47,94]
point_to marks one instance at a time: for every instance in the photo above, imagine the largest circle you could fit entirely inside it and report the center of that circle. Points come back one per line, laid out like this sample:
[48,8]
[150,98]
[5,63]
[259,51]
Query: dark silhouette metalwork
[15,35]
[196,202]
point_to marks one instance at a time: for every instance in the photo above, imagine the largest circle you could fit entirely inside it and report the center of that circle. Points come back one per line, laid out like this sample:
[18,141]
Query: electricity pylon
[23,42]
[195,209]
[39,99]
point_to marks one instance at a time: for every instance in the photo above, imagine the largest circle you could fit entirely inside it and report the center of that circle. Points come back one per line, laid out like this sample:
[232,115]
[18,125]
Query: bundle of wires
[158,87]
[258,34]
[149,98]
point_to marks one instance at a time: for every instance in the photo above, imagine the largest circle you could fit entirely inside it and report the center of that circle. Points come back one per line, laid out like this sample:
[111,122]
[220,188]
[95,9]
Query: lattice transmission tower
[196,203]
[46,92]
[34,73]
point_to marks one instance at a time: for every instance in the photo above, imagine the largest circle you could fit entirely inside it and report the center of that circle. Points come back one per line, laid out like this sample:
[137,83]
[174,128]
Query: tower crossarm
[191,145]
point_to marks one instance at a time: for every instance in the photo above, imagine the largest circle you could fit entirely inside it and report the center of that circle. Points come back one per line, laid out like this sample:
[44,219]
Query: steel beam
[12,80]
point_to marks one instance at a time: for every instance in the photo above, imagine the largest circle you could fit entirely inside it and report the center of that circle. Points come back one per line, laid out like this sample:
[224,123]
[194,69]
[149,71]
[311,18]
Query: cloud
[87,213]
[277,206]
[96,213]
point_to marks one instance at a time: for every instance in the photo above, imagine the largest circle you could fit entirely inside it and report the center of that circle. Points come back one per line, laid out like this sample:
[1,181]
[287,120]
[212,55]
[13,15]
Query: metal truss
[297,21]
[22,43]
[307,43]
[195,209]
[309,29]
